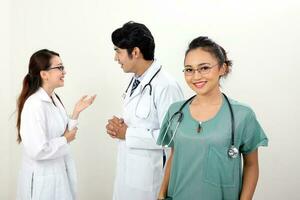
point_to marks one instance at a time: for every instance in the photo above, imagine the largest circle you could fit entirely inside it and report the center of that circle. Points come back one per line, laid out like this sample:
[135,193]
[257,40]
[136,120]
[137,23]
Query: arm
[250,175]
[34,135]
[165,183]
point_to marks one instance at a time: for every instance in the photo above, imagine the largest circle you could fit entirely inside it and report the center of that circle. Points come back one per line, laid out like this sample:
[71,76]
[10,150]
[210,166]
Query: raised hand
[82,104]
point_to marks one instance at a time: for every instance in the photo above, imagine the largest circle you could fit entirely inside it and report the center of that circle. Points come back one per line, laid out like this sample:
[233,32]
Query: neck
[48,90]
[143,65]
[212,98]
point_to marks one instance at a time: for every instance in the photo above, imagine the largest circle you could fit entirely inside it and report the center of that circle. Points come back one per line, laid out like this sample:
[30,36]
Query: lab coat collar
[42,94]
[146,77]
[149,73]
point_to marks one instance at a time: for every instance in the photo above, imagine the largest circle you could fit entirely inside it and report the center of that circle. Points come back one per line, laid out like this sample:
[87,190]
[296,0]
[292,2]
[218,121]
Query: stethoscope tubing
[180,113]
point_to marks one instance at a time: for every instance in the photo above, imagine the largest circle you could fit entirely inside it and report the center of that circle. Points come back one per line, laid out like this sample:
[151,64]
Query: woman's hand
[70,135]
[82,104]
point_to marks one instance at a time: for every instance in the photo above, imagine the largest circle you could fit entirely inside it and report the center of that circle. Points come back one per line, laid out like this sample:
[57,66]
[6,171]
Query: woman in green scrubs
[199,167]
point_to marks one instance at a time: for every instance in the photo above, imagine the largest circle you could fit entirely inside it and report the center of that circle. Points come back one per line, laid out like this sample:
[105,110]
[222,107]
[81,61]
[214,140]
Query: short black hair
[132,35]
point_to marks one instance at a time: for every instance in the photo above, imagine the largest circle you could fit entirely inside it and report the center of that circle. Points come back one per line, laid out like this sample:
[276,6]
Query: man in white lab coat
[146,99]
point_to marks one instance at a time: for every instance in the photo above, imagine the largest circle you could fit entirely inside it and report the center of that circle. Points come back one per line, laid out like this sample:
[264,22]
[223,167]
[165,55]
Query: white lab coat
[48,170]
[140,160]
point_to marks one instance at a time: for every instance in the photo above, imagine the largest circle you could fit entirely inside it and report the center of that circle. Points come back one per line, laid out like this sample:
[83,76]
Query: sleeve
[253,135]
[165,133]
[72,123]
[137,137]
[33,133]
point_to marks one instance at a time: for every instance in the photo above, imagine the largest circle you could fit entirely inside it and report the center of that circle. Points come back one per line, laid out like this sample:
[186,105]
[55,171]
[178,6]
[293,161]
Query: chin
[126,70]
[201,91]
[60,85]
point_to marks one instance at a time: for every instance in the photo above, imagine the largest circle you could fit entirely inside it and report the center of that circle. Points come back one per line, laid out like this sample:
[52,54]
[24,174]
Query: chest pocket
[144,104]
[219,169]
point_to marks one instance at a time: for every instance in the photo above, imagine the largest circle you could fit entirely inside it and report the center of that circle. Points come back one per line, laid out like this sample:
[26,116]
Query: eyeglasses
[205,69]
[61,68]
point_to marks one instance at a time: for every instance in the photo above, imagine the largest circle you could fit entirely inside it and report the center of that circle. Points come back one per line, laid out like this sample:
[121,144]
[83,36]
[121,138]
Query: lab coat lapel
[149,74]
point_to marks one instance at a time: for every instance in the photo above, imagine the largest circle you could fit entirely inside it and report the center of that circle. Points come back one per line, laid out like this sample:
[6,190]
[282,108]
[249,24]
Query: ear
[44,75]
[136,52]
[223,69]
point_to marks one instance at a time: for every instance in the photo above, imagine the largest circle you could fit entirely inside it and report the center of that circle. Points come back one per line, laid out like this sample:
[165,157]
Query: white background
[261,37]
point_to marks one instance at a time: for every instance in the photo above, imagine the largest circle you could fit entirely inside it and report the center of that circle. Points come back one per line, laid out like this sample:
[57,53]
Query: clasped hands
[116,128]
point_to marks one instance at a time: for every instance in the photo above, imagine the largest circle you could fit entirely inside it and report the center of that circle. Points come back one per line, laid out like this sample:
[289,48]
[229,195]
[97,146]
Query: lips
[200,84]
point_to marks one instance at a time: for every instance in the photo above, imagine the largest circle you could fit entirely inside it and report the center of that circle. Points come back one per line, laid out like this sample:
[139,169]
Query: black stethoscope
[233,152]
[147,85]
[142,110]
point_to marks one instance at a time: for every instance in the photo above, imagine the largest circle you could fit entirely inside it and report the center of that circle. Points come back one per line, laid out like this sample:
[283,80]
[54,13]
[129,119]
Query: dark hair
[132,35]
[39,61]
[213,48]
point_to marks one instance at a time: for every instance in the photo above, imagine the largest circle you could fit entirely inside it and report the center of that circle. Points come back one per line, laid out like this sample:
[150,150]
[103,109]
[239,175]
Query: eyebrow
[199,65]
[59,65]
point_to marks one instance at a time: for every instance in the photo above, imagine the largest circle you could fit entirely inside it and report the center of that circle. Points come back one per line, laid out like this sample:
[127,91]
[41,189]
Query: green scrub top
[201,168]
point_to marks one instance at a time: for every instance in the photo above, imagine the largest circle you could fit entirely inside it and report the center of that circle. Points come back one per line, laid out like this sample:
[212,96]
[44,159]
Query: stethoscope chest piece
[233,152]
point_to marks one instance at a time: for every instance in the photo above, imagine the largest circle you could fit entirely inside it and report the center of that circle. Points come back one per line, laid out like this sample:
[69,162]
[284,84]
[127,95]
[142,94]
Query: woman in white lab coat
[45,131]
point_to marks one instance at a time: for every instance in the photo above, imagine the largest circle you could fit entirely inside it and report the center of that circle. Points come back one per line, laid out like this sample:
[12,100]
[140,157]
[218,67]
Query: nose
[197,75]
[116,57]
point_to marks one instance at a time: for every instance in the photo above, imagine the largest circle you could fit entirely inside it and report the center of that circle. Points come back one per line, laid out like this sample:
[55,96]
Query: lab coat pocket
[219,169]
[143,107]
[139,172]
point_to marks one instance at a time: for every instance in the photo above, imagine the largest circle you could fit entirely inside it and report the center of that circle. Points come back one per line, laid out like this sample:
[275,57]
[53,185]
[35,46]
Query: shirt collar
[42,94]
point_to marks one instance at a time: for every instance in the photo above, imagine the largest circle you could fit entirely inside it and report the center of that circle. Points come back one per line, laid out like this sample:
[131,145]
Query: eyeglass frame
[198,69]
[60,68]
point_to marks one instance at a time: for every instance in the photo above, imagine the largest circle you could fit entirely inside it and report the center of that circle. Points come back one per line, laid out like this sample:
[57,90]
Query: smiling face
[202,71]
[54,76]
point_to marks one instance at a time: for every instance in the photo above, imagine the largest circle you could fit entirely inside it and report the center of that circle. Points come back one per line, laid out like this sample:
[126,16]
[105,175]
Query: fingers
[93,98]
[74,129]
[89,100]
[111,134]
[71,135]
[83,97]
[115,125]
[112,128]
[117,120]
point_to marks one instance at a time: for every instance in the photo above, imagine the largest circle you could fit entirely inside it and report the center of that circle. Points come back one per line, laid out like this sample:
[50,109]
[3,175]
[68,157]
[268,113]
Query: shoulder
[174,107]
[33,104]
[164,79]
[166,84]
[242,110]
